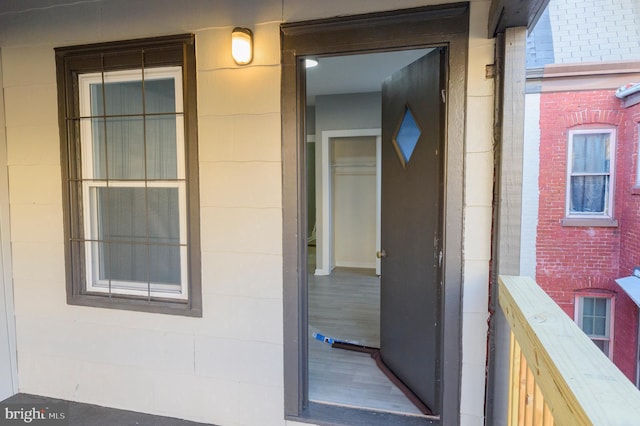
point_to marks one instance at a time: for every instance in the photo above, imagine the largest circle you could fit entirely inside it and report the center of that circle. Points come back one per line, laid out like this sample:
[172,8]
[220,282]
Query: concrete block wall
[209,369]
[200,369]
[594,30]
[477,217]
[205,369]
[8,367]
[530,190]
[571,258]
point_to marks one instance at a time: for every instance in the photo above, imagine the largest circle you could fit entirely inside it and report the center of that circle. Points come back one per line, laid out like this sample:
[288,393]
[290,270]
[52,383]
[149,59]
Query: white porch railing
[557,375]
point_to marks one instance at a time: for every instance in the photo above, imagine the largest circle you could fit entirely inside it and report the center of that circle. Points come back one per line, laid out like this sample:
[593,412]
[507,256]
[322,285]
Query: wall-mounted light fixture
[242,45]
[310,63]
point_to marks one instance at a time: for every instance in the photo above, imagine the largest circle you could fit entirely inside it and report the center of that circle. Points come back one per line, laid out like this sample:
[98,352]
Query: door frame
[325,240]
[432,26]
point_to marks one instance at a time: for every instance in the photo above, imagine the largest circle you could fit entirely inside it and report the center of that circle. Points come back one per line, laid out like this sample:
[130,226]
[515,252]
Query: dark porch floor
[94,415]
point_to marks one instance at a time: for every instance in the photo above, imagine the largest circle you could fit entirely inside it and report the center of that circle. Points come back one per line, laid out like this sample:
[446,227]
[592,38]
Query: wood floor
[346,305]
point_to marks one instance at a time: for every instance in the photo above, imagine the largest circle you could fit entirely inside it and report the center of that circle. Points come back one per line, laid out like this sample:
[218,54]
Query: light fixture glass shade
[310,63]
[242,45]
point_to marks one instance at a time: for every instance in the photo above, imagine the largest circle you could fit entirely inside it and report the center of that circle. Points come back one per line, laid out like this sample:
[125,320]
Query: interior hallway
[346,305]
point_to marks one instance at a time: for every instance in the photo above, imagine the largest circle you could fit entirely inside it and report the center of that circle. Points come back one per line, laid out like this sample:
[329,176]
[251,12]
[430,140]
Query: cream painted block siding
[206,369]
[201,369]
[8,367]
[594,30]
[477,217]
[530,188]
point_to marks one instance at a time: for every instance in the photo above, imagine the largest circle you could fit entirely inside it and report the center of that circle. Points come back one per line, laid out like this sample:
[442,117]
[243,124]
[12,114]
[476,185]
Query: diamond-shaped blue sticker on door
[406,137]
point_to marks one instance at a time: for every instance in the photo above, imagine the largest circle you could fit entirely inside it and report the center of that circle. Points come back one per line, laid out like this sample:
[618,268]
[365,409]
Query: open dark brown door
[412,201]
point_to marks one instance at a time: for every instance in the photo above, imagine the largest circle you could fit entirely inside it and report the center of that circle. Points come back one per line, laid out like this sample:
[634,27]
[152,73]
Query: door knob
[381,254]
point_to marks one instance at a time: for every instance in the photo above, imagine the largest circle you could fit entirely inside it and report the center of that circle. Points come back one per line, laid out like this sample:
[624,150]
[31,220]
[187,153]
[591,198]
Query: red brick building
[588,222]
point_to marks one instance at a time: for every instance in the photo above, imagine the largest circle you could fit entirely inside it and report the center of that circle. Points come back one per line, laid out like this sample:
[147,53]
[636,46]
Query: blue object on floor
[323,338]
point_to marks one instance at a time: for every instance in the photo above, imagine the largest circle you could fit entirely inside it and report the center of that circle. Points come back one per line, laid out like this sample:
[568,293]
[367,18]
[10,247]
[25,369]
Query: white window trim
[93,284]
[610,320]
[608,214]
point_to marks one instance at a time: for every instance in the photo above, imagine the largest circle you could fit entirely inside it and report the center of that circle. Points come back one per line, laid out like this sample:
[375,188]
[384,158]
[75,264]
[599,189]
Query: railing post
[556,372]
[509,92]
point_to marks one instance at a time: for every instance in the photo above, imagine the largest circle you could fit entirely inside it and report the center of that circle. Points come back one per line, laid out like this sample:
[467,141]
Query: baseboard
[348,264]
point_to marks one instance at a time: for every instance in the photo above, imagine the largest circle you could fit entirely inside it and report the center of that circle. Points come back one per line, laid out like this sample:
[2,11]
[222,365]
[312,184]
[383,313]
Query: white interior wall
[311,168]
[338,112]
[354,201]
[201,369]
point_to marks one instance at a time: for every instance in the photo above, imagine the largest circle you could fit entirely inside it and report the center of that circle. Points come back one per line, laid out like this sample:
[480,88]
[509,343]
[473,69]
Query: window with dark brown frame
[127,114]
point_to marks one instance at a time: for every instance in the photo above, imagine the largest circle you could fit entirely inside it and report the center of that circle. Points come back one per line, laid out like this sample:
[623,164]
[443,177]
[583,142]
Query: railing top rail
[579,383]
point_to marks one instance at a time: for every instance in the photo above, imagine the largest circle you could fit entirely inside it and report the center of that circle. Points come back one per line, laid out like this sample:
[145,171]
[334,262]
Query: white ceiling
[356,73]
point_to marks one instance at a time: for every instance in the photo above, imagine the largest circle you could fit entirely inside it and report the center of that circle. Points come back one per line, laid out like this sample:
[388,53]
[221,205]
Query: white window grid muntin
[86,80]
[609,194]
[94,283]
[131,288]
[579,318]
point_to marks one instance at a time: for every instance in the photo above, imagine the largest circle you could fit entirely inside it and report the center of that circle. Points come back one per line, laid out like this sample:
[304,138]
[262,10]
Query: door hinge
[490,71]
[443,94]
[440,259]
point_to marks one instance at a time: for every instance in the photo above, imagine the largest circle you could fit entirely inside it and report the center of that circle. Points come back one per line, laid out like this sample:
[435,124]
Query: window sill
[133,304]
[588,221]
[635,190]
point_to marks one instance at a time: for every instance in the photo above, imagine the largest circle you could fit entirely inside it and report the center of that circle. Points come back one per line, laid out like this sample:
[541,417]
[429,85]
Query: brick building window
[590,173]
[594,315]
[130,174]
